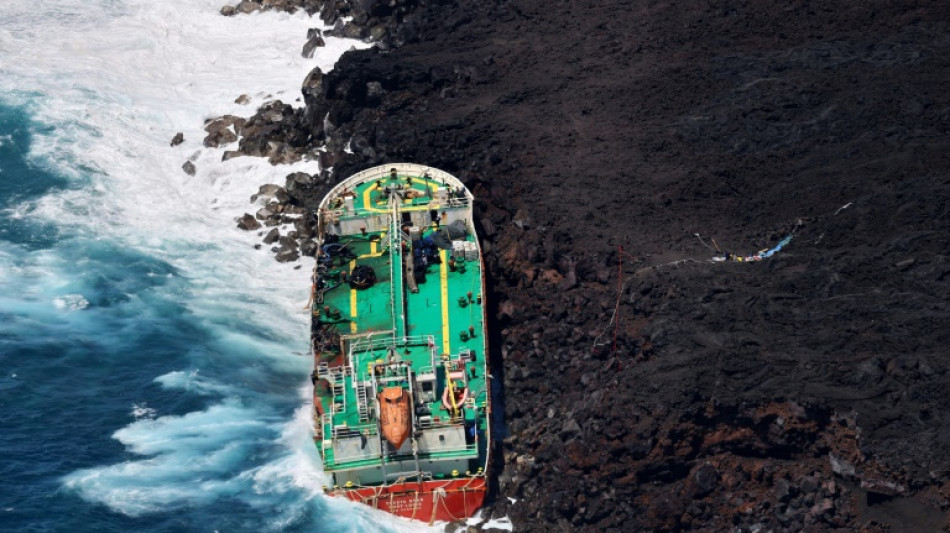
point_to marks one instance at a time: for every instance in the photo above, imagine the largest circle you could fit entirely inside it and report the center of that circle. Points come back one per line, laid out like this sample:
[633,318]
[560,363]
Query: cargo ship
[401,391]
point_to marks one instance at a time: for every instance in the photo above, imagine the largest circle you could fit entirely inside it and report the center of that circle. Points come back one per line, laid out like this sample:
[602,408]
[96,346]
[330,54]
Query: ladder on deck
[362,401]
[395,247]
[337,379]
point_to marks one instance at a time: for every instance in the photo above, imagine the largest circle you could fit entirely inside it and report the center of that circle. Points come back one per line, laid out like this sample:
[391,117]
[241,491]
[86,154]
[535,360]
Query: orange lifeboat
[394,415]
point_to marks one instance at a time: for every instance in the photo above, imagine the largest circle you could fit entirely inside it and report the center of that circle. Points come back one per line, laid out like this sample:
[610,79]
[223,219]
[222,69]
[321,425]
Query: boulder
[314,41]
[223,130]
[286,255]
[288,241]
[374,93]
[809,484]
[327,159]
[272,236]
[298,180]
[178,139]
[782,490]
[247,6]
[308,248]
[248,222]
[268,192]
[313,89]
[220,136]
[303,228]
[282,154]
[703,480]
[189,168]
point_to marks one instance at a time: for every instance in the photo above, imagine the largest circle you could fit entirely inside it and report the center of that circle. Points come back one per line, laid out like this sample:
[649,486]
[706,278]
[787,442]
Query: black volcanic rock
[614,149]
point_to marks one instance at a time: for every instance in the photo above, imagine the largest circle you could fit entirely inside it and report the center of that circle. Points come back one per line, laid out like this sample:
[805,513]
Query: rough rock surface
[189,168]
[611,146]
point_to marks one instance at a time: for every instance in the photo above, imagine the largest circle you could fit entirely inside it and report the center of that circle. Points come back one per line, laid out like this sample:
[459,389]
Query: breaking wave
[124,281]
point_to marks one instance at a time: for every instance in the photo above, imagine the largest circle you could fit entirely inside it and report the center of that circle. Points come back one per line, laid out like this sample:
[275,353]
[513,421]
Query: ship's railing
[368,344]
[383,172]
[454,450]
[351,460]
[320,424]
[343,431]
[434,422]
[337,214]
[372,458]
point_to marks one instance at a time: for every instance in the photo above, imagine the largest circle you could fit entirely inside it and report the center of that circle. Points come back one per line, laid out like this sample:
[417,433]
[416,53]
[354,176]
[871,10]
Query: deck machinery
[401,390]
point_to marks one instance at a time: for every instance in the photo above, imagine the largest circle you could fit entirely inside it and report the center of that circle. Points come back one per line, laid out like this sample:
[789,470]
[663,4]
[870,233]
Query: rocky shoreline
[616,148]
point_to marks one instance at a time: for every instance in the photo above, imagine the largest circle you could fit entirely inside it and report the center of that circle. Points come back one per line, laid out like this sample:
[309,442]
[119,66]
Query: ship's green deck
[435,323]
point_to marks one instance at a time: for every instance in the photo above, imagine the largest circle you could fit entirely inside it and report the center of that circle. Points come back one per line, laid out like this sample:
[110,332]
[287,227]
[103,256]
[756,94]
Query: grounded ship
[401,391]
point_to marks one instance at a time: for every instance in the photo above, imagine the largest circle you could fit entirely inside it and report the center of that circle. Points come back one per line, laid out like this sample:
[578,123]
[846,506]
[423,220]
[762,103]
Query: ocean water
[153,374]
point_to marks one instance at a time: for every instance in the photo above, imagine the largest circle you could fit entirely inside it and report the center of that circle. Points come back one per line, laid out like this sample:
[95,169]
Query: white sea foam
[192,459]
[109,83]
[503,523]
[142,410]
[71,302]
[193,382]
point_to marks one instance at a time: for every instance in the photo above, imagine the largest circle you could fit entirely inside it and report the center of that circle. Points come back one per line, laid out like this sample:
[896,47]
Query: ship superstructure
[401,391]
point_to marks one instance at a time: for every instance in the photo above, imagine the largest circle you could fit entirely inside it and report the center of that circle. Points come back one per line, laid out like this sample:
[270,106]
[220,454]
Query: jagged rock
[303,228]
[266,193]
[178,139]
[247,6]
[189,168]
[298,180]
[264,213]
[314,41]
[346,30]
[228,11]
[327,159]
[242,100]
[219,137]
[282,154]
[287,255]
[314,95]
[248,222]
[808,484]
[308,248]
[782,490]
[378,32]
[704,480]
[272,236]
[570,426]
[220,130]
[731,145]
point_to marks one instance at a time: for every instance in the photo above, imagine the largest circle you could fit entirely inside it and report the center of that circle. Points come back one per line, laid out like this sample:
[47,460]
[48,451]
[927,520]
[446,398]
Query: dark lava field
[615,148]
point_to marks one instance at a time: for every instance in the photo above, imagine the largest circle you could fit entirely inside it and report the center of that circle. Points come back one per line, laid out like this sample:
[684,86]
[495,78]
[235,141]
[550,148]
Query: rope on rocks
[614,318]
[758,256]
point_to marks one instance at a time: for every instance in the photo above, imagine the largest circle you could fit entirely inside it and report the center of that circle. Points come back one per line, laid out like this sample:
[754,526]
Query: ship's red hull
[428,501]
